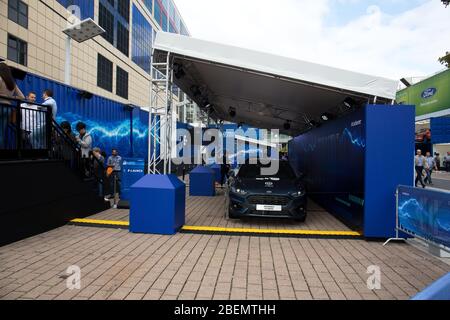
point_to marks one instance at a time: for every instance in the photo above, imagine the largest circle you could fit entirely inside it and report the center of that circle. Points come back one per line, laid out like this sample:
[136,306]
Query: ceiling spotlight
[210,109]
[232,112]
[326,116]
[349,103]
[287,125]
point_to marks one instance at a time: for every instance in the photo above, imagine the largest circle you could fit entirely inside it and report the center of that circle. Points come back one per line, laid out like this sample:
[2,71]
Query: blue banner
[425,213]
[132,171]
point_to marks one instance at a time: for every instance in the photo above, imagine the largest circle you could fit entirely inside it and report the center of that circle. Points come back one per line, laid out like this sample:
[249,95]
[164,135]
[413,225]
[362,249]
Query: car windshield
[249,171]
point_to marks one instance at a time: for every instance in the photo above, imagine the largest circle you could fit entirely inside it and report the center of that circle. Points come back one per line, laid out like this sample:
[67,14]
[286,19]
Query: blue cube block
[217,171]
[202,182]
[158,205]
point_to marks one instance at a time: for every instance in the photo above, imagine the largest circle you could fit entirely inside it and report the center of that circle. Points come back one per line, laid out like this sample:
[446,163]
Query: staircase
[45,188]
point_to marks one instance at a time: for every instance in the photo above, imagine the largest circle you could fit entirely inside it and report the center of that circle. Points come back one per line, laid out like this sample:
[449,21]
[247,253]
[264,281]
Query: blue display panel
[142,41]
[332,159]
[440,130]
[425,213]
[389,163]
[111,124]
[86,7]
[132,170]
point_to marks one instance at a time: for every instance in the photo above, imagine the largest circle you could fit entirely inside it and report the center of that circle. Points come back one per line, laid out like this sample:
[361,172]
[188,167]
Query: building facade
[115,65]
[431,96]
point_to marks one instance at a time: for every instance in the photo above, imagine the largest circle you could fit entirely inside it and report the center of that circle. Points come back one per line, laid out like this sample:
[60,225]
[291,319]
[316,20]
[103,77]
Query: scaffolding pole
[160,118]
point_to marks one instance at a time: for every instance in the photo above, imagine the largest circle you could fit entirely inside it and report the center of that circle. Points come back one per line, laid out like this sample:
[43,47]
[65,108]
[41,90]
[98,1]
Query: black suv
[251,194]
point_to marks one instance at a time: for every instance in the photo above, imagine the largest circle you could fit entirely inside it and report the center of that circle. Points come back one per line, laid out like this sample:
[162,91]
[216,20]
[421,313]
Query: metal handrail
[23,101]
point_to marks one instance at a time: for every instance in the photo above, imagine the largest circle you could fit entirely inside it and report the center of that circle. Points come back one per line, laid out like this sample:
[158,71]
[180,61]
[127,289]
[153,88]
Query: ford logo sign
[429,93]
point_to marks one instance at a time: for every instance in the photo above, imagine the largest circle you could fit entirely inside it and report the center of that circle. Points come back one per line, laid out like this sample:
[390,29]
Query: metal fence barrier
[25,129]
[423,214]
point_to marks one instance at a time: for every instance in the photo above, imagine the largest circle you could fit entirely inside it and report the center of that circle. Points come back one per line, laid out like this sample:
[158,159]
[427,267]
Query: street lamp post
[80,31]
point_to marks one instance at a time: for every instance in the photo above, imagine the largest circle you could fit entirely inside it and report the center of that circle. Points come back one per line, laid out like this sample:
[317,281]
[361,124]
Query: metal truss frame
[160,117]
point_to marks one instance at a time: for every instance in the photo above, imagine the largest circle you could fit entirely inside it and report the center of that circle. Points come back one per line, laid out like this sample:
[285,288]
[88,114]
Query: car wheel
[301,219]
[231,215]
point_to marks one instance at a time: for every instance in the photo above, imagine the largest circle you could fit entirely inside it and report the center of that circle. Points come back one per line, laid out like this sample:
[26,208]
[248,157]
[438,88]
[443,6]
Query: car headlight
[238,191]
[298,193]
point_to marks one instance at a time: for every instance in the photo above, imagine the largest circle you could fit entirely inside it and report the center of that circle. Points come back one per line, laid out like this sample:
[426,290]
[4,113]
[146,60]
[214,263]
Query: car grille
[270,200]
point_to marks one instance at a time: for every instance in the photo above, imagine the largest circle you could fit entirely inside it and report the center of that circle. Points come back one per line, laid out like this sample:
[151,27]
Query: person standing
[114,164]
[84,139]
[419,163]
[50,102]
[32,123]
[8,86]
[67,128]
[447,162]
[8,89]
[98,162]
[437,160]
[430,165]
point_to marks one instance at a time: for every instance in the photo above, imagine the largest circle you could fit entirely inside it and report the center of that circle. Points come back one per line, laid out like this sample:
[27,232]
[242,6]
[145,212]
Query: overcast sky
[391,38]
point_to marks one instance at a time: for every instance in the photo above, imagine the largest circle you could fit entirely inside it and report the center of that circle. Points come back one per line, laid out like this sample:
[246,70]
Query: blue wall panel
[389,163]
[440,130]
[109,122]
[332,159]
[354,164]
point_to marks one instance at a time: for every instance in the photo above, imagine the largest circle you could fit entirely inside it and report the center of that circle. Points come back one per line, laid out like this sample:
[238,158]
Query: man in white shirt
[32,122]
[49,101]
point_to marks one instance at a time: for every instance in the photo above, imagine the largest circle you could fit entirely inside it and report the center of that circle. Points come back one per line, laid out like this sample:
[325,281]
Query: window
[104,73]
[149,5]
[17,50]
[106,21]
[183,30]
[123,39]
[164,25]
[18,12]
[122,83]
[141,41]
[157,12]
[124,9]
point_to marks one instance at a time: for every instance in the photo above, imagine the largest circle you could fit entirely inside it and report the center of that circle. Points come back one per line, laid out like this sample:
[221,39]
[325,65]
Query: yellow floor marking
[102,222]
[231,230]
[273,231]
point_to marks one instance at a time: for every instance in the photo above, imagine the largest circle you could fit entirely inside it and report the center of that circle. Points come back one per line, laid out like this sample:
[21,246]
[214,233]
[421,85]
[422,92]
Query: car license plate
[266,207]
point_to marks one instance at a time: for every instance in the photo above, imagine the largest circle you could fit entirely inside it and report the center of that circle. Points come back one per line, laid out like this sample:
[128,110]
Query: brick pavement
[116,264]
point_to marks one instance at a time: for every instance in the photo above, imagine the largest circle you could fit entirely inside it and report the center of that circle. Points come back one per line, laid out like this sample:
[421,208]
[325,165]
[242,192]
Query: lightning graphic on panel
[346,133]
[359,142]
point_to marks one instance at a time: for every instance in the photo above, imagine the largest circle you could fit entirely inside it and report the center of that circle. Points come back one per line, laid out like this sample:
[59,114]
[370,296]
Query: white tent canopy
[264,90]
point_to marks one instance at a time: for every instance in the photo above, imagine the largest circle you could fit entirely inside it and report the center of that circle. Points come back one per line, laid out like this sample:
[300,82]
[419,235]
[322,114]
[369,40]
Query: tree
[445,60]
